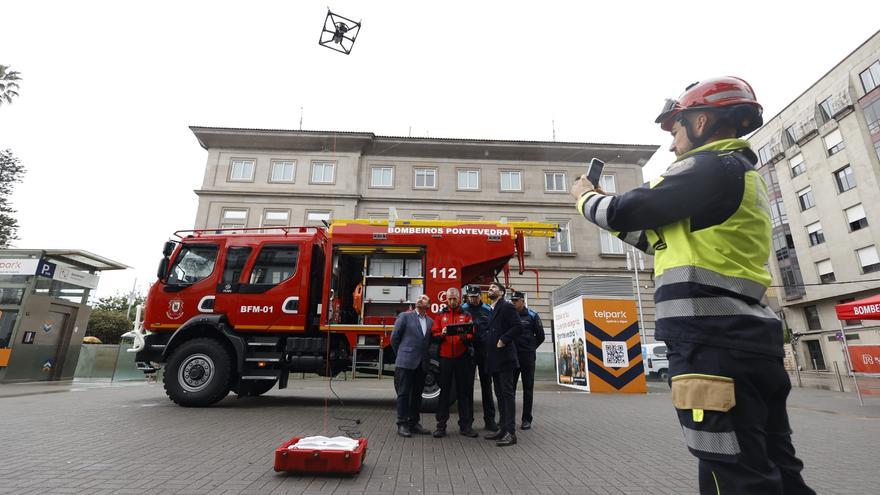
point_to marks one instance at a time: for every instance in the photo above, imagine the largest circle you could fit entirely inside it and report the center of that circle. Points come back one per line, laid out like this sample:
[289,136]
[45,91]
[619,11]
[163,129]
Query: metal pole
[849,366]
[839,379]
[635,262]
[797,366]
[815,367]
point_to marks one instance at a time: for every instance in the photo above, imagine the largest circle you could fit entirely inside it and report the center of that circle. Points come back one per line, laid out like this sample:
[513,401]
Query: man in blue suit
[410,339]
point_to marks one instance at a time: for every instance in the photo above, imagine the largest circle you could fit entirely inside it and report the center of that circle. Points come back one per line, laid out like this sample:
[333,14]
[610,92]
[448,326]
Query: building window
[469,218]
[871,77]
[276,218]
[791,134]
[805,198]
[511,180]
[797,165]
[283,171]
[609,244]
[868,259]
[845,179]
[554,181]
[241,171]
[608,183]
[834,142]
[317,217]
[561,243]
[777,212]
[815,234]
[872,117]
[469,180]
[826,109]
[233,218]
[849,323]
[382,177]
[323,172]
[764,154]
[826,271]
[425,178]
[856,218]
[811,314]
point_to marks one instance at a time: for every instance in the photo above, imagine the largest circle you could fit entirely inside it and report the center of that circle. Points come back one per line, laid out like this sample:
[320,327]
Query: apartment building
[256,178]
[820,157]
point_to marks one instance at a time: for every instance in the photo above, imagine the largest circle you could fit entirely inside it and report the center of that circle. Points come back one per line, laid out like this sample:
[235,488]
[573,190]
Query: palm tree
[8,85]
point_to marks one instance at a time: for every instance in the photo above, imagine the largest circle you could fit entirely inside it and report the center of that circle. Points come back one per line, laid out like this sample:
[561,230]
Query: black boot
[418,429]
[403,431]
[494,436]
[440,432]
[526,425]
[469,432]
[491,425]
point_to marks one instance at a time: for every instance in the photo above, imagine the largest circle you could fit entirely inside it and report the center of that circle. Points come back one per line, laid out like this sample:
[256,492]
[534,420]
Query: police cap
[472,290]
[517,295]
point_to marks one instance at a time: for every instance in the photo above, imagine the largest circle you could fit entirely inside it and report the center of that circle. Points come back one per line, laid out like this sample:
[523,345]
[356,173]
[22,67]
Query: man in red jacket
[456,363]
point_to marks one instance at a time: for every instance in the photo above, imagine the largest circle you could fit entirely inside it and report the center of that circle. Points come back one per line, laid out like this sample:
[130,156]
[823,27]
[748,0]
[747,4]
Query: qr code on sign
[614,355]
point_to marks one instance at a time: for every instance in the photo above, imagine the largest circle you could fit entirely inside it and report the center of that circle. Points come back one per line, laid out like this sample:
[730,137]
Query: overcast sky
[110,88]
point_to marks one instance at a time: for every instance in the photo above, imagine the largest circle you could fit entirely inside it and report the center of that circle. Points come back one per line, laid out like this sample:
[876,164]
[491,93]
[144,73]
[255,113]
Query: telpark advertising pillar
[598,348]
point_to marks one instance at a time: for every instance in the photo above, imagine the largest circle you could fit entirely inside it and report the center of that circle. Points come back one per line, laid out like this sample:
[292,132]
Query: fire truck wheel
[253,388]
[198,373]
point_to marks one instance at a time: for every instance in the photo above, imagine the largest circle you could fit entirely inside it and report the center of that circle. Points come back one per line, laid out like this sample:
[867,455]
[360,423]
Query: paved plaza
[98,438]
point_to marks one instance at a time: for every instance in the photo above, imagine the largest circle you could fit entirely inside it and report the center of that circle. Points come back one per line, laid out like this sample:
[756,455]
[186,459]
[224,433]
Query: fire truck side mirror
[163,268]
[168,248]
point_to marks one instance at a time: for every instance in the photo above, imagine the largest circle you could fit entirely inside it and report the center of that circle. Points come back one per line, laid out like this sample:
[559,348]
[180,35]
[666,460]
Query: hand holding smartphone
[594,171]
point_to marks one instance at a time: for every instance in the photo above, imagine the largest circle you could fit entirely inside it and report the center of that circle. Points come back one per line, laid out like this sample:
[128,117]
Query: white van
[656,362]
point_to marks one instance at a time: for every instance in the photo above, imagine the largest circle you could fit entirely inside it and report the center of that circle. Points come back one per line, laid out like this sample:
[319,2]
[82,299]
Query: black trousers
[505,391]
[527,370]
[410,384]
[485,385]
[748,448]
[460,370]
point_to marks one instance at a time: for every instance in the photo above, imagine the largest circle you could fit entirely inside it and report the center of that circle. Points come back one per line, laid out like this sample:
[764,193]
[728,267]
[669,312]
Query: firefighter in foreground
[707,222]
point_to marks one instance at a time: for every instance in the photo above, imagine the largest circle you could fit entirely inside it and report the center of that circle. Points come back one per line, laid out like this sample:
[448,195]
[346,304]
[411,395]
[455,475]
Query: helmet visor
[669,107]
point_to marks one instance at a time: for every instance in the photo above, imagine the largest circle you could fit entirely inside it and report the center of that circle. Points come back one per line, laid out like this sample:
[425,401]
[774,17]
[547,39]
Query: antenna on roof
[300,117]
[553,123]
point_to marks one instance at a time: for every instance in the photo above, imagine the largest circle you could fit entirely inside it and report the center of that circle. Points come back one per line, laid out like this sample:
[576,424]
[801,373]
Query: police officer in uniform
[480,313]
[706,220]
[526,344]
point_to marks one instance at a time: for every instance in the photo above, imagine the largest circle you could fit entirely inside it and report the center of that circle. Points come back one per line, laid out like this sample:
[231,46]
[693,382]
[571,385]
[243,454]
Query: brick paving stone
[132,440]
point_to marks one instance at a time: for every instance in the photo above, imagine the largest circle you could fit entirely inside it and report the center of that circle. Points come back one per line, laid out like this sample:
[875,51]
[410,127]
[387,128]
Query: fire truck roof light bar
[287,229]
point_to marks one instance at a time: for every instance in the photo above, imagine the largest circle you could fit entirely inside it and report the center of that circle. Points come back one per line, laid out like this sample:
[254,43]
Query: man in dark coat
[410,339]
[501,359]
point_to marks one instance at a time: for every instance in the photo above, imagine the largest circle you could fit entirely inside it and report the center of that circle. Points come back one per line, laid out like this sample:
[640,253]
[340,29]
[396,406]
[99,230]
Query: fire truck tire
[198,373]
[253,388]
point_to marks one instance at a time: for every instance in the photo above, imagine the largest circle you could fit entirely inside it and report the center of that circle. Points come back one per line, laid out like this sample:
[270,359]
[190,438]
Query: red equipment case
[320,461]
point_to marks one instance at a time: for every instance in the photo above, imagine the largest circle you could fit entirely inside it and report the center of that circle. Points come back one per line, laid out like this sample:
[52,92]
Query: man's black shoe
[469,432]
[403,431]
[526,425]
[491,426]
[494,436]
[440,433]
[418,429]
[507,439]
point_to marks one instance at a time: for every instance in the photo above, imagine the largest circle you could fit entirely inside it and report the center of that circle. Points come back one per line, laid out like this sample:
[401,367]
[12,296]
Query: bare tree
[11,171]
[8,84]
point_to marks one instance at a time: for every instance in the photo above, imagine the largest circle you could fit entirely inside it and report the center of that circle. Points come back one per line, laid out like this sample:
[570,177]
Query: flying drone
[339,33]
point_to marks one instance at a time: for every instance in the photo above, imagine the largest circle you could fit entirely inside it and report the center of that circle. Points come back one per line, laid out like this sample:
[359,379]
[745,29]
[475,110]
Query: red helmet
[722,92]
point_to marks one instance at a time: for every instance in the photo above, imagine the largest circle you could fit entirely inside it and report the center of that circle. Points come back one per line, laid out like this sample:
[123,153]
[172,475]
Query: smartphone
[594,171]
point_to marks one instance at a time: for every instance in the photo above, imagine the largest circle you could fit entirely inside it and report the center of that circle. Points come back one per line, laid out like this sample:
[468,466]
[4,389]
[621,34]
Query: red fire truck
[241,310]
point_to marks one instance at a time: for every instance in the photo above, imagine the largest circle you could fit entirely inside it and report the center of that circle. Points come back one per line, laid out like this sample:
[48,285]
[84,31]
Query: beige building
[257,178]
[819,157]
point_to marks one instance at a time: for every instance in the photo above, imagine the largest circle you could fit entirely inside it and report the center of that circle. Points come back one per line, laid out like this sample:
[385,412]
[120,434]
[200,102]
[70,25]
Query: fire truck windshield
[194,263]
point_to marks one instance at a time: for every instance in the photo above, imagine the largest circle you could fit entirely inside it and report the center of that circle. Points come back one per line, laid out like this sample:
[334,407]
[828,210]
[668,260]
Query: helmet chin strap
[698,141]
